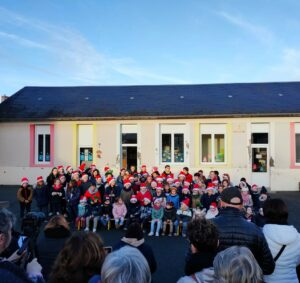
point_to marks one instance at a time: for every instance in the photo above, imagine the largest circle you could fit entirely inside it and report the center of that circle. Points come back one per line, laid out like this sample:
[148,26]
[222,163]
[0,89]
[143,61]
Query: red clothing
[167,175]
[93,197]
[189,178]
[140,197]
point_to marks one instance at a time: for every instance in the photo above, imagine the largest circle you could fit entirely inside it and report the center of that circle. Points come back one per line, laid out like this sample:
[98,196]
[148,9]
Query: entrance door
[260,155]
[129,156]
[129,145]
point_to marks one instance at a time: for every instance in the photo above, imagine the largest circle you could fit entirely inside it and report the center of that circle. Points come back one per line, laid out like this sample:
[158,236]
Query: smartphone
[23,244]
[108,249]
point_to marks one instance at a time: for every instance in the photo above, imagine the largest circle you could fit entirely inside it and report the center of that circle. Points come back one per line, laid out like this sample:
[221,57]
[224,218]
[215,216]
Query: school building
[248,130]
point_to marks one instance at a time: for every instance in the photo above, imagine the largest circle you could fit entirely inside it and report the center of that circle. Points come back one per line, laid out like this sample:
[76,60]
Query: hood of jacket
[281,234]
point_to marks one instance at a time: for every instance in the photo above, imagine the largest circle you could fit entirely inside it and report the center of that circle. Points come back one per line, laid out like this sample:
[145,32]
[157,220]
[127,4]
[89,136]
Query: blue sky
[128,42]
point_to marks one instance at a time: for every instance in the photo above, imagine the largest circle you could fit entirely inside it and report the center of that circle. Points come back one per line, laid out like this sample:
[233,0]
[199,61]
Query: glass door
[129,145]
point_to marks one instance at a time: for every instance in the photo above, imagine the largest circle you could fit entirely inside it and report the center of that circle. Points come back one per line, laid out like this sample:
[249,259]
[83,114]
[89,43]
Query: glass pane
[260,138]
[259,159]
[47,148]
[298,148]
[178,148]
[219,148]
[129,156]
[206,148]
[40,148]
[86,154]
[166,145]
[129,138]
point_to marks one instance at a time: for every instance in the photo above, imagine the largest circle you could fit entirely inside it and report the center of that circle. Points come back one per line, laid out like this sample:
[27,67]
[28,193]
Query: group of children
[156,200]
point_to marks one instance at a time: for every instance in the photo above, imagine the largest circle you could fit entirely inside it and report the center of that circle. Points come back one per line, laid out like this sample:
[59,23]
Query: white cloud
[260,32]
[74,56]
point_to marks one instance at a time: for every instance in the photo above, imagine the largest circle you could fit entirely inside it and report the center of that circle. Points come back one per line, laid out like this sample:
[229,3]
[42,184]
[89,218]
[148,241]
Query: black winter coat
[198,261]
[236,231]
[170,214]
[206,200]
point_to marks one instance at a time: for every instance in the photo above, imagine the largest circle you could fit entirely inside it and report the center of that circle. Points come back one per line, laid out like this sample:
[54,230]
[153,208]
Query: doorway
[129,146]
[129,156]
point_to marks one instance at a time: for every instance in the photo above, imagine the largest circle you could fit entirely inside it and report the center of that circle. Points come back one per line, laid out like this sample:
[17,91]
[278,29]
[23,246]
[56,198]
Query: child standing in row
[41,195]
[24,196]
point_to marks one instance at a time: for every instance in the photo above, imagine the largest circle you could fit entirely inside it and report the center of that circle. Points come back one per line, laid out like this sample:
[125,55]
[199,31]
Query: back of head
[203,235]
[134,231]
[276,211]
[237,265]
[7,220]
[56,222]
[126,265]
[81,258]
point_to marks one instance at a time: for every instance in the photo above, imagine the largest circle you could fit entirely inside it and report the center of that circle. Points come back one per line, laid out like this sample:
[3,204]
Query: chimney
[3,98]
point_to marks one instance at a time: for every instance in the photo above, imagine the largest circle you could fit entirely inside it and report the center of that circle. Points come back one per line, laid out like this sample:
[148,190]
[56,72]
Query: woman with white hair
[237,264]
[126,265]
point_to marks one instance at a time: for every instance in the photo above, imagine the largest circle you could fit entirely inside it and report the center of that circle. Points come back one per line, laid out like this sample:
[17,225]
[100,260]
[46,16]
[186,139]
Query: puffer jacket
[119,210]
[277,236]
[236,231]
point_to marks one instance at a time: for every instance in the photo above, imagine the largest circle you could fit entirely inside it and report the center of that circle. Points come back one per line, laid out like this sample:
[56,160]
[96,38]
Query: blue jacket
[175,200]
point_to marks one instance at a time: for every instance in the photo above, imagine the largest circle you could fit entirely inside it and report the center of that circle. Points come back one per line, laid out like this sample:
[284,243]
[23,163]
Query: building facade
[263,148]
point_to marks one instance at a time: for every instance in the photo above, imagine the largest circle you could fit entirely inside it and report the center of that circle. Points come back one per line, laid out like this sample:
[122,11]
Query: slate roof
[154,101]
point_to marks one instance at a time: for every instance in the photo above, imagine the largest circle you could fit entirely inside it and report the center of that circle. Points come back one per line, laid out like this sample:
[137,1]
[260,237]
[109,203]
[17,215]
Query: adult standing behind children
[283,240]
[235,230]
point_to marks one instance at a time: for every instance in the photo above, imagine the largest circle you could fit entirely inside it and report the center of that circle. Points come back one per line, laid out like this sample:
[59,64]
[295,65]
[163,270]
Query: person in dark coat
[85,184]
[51,241]
[112,190]
[52,176]
[235,230]
[72,198]
[169,218]
[209,197]
[41,195]
[24,196]
[134,237]
[133,211]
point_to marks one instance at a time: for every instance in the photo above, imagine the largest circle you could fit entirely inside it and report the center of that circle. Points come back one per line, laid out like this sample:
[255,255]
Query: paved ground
[169,252]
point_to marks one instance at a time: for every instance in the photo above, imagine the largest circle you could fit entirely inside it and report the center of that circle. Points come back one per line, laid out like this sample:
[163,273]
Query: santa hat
[210,186]
[196,187]
[75,172]
[159,179]
[225,176]
[98,177]
[122,169]
[93,166]
[143,185]
[186,202]
[133,198]
[81,167]
[170,179]
[24,180]
[82,199]
[181,174]
[176,182]
[39,179]
[106,168]
[154,169]
[84,175]
[144,166]
[60,167]
[62,176]
[147,199]
[186,189]
[213,205]
[159,187]
[68,168]
[130,177]
[157,200]
[186,183]
[254,186]
[126,183]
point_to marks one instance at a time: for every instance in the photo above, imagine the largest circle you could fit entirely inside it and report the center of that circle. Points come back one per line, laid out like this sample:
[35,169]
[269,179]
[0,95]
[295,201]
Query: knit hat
[24,180]
[186,202]
[39,179]
[232,195]
[133,199]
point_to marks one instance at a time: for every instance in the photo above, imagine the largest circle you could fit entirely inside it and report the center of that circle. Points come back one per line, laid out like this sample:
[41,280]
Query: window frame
[213,129]
[41,130]
[173,129]
[82,142]
[296,132]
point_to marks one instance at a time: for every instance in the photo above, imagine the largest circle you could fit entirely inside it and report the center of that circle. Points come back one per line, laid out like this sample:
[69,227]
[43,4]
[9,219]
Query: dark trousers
[56,208]
[24,206]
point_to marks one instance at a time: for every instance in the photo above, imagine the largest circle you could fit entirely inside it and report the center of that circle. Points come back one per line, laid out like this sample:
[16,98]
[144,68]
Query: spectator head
[58,221]
[81,258]
[126,265]
[276,211]
[237,264]
[7,220]
[231,197]
[134,231]
[203,235]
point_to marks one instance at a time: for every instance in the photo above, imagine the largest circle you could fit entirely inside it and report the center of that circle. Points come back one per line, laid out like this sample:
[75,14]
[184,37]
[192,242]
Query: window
[85,144]
[297,143]
[213,143]
[129,145]
[172,143]
[42,144]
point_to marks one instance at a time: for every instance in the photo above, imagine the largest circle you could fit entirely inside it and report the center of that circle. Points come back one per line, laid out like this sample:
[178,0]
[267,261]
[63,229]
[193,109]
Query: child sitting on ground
[184,215]
[82,211]
[157,215]
[119,212]
[169,218]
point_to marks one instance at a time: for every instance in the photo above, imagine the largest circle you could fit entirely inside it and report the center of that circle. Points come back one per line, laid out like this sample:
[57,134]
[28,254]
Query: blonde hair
[57,221]
[237,265]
